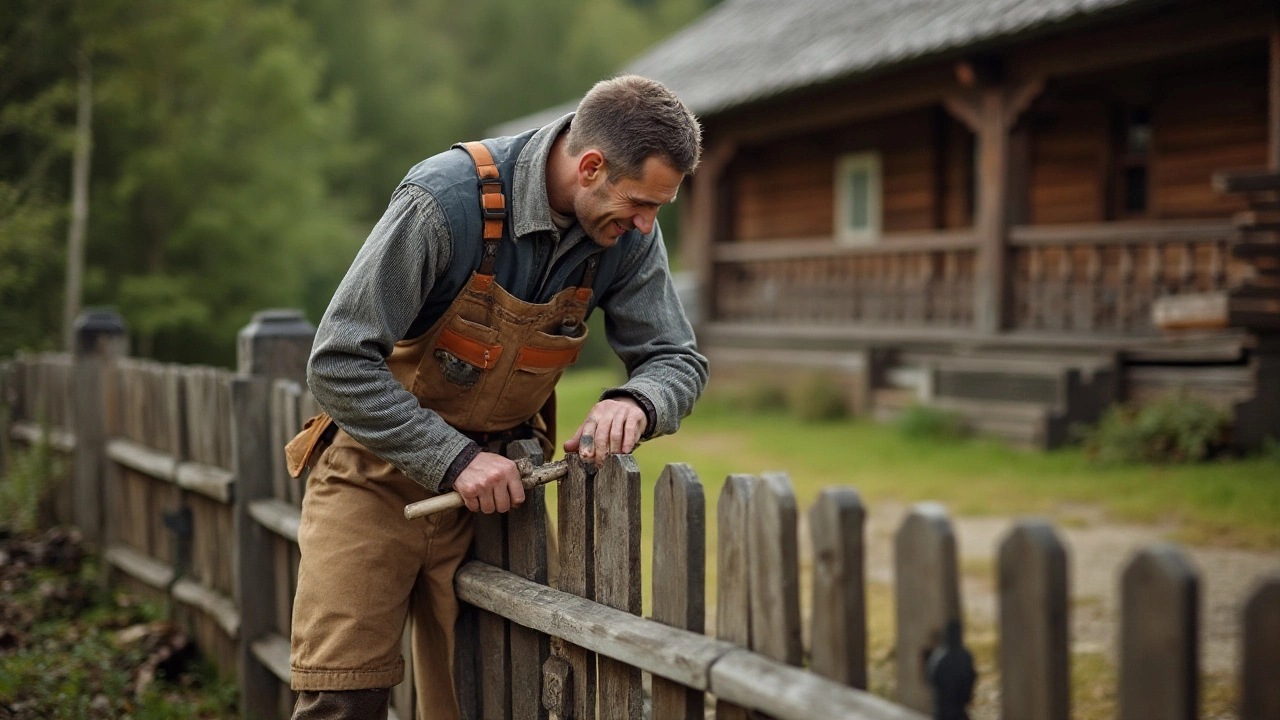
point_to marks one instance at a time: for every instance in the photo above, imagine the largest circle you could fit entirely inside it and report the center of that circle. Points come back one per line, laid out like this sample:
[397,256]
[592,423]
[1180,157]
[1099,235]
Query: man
[445,341]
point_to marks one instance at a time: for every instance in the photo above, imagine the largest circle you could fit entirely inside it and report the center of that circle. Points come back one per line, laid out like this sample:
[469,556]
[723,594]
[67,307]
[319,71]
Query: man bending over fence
[445,341]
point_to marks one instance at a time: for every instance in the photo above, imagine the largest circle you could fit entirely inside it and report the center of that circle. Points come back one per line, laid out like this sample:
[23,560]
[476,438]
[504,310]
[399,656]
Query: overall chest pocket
[457,372]
[538,365]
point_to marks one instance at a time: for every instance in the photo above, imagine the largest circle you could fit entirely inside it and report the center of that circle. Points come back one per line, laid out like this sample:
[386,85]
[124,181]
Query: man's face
[607,210]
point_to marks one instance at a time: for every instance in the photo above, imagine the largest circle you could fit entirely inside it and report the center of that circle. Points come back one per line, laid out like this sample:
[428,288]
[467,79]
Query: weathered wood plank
[733,574]
[136,456]
[494,647]
[775,570]
[557,689]
[692,659]
[208,480]
[273,652]
[618,575]
[927,594]
[786,692]
[1034,644]
[140,567]
[527,554]
[220,607]
[1159,594]
[277,516]
[575,529]
[1260,666]
[679,576]
[838,622]
[255,581]
[32,433]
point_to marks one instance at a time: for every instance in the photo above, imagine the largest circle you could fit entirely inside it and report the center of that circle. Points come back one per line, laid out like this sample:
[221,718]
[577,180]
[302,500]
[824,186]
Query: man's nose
[644,220]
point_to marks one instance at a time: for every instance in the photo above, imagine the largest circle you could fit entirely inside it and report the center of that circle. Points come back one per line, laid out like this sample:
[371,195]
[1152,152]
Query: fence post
[927,595]
[527,552]
[733,579]
[575,530]
[775,570]
[1034,650]
[100,338]
[1158,636]
[838,623]
[618,575]
[679,576]
[255,581]
[1260,642]
[274,345]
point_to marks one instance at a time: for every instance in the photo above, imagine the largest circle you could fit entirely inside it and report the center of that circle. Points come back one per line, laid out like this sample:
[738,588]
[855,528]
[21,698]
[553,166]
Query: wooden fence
[199,511]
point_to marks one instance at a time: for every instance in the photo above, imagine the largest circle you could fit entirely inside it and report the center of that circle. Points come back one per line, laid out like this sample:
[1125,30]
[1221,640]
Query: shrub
[819,398]
[922,422]
[1175,428]
[763,397]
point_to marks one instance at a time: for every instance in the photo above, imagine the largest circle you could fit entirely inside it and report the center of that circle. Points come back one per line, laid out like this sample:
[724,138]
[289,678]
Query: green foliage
[1175,428]
[819,398]
[923,422]
[763,397]
[22,488]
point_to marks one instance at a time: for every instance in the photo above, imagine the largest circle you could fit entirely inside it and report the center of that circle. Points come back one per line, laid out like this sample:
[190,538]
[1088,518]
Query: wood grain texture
[839,618]
[557,689]
[494,647]
[575,529]
[255,581]
[733,573]
[1159,596]
[1034,645]
[774,570]
[618,576]
[527,554]
[927,596]
[679,576]
[1260,667]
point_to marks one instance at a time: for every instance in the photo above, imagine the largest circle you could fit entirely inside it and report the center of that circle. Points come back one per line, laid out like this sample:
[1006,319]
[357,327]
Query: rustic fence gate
[176,472]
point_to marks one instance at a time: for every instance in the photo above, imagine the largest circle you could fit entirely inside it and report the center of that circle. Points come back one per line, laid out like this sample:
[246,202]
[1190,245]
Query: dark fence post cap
[94,324]
[278,322]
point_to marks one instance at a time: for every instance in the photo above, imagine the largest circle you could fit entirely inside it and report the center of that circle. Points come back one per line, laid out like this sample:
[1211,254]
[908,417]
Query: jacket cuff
[460,463]
[650,414]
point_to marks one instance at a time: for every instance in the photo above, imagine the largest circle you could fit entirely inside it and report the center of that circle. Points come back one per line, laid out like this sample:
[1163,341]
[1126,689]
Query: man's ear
[591,167]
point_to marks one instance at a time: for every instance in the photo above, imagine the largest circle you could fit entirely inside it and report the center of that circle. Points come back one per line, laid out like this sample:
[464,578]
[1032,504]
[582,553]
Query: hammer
[530,477]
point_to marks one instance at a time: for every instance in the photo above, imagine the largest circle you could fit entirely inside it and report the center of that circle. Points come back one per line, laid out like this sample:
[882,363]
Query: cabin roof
[742,51]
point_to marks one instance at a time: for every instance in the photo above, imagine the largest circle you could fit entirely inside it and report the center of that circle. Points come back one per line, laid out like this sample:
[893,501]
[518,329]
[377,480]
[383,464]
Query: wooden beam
[691,659]
[139,457]
[1273,85]
[212,482]
[698,224]
[277,516]
[32,433]
[827,247]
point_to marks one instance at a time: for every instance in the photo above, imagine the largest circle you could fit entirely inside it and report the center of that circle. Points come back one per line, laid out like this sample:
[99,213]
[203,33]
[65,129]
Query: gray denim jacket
[412,258]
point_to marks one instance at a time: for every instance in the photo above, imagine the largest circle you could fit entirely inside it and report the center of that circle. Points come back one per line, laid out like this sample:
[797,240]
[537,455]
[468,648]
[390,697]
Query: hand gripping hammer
[530,477]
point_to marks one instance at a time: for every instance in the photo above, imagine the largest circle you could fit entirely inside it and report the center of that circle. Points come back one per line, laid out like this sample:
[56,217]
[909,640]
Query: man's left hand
[613,427]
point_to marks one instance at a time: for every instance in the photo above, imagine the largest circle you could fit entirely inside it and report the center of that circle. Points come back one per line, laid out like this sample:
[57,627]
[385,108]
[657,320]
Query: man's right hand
[491,483]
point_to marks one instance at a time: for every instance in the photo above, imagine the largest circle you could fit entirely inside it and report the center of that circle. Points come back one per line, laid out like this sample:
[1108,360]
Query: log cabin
[1001,207]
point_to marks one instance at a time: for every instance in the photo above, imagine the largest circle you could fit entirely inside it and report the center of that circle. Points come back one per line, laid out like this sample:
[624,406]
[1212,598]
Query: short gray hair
[630,119]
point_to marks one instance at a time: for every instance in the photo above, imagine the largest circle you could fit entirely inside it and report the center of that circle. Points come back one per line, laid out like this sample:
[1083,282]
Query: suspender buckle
[497,208]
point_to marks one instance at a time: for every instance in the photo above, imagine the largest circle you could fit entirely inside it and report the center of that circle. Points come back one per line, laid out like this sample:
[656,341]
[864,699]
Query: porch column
[699,224]
[990,111]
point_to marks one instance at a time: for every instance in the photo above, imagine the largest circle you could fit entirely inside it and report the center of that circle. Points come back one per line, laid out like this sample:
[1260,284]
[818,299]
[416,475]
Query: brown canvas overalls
[489,364]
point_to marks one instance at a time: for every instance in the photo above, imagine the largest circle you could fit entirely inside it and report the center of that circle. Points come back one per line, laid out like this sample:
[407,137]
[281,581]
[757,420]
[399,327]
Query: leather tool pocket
[301,452]
[453,375]
[538,367]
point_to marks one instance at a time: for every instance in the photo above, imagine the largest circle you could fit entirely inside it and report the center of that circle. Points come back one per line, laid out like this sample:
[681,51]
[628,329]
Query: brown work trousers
[364,570]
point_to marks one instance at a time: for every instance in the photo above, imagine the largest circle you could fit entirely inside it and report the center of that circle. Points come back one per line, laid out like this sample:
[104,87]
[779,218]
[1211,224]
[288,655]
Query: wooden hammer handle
[530,477]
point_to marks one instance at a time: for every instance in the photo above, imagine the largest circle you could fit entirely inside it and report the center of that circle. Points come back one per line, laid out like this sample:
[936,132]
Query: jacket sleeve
[373,307]
[647,327]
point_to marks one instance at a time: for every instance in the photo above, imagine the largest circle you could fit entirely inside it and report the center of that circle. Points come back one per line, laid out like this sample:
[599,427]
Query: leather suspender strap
[493,204]
[588,277]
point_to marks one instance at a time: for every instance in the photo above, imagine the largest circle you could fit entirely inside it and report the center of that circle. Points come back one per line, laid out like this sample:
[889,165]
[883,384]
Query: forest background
[242,149]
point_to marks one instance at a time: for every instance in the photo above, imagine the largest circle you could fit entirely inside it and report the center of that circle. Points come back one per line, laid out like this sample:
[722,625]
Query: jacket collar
[531,211]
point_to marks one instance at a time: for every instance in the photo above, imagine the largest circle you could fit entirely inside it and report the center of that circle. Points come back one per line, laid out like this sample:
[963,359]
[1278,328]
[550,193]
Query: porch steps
[1029,400]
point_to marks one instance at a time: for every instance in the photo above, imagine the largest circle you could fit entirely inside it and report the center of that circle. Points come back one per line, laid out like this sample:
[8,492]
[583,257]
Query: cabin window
[1133,162]
[858,198]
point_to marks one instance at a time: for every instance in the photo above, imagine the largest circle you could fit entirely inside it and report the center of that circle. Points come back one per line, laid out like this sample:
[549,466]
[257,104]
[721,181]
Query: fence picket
[575,530]
[618,575]
[838,623]
[927,594]
[733,580]
[1034,651]
[679,576]
[1259,681]
[495,655]
[527,551]
[775,570]
[1158,636]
